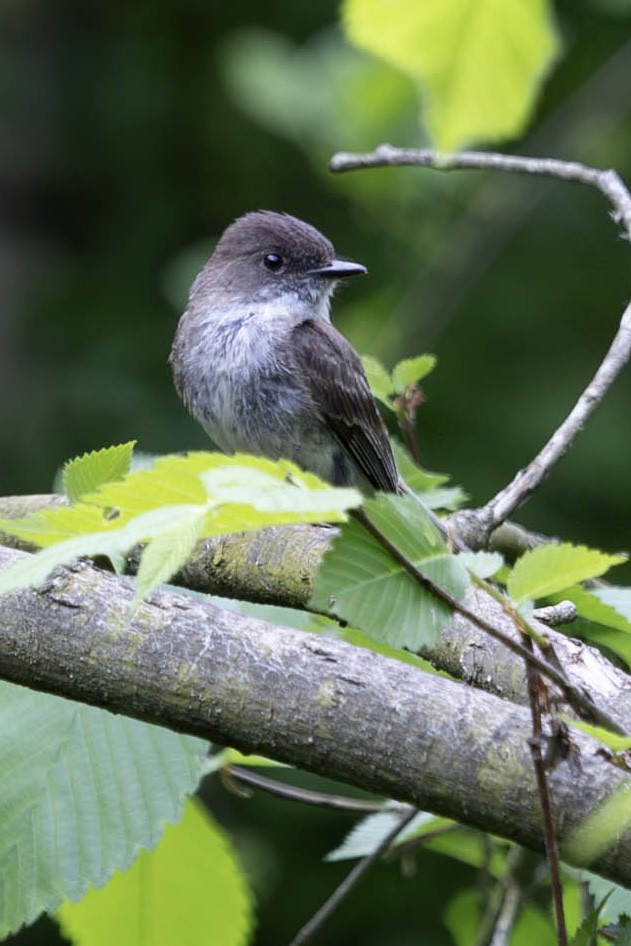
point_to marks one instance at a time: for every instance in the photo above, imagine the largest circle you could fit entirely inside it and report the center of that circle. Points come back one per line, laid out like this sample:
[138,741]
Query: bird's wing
[333,374]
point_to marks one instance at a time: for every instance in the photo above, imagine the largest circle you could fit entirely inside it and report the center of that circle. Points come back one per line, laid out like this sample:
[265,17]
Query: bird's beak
[338,269]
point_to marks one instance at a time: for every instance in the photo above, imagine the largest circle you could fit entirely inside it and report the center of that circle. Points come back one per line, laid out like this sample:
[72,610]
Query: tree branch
[320,704]
[278,566]
[608,182]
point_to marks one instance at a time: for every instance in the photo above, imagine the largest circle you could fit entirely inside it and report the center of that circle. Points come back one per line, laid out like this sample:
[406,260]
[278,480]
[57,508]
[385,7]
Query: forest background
[131,134]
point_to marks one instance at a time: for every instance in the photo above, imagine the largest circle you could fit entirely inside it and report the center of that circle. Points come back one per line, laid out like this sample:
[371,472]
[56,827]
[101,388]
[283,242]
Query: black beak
[338,269]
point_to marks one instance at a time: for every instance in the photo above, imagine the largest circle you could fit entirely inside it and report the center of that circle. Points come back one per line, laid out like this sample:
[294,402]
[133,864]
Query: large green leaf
[172,504]
[549,569]
[189,891]
[82,792]
[479,64]
[363,583]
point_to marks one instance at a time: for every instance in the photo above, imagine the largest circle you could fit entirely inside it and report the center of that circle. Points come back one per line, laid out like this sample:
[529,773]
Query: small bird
[258,363]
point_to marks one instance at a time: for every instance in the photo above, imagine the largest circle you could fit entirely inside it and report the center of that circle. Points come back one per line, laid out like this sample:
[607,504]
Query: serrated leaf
[411,371]
[57,524]
[34,569]
[362,583]
[379,380]
[82,792]
[479,65]
[88,472]
[617,598]
[549,569]
[189,890]
[168,552]
[597,605]
[481,564]
[223,495]
[615,900]
[366,836]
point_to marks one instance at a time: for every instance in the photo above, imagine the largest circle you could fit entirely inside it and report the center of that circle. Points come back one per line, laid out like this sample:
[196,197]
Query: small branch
[549,831]
[608,182]
[577,697]
[502,905]
[350,881]
[304,795]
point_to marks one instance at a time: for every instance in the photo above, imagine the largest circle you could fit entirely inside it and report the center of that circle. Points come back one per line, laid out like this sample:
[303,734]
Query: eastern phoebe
[258,363]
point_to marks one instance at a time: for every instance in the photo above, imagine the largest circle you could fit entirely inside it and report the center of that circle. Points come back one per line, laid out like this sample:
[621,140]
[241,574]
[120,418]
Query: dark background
[132,133]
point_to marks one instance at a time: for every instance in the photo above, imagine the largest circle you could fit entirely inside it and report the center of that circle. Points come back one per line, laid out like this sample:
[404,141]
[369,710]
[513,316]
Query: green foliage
[479,66]
[463,918]
[594,605]
[87,473]
[385,386]
[189,890]
[549,569]
[610,821]
[614,900]
[412,371]
[82,792]
[171,505]
[362,583]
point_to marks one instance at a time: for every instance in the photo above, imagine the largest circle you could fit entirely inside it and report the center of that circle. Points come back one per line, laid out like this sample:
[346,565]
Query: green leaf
[189,890]
[479,65]
[58,524]
[617,598]
[481,564]
[586,933]
[551,568]
[418,479]
[616,900]
[411,371]
[601,829]
[379,380]
[82,792]
[168,552]
[371,831]
[172,504]
[612,740]
[597,605]
[86,473]
[361,582]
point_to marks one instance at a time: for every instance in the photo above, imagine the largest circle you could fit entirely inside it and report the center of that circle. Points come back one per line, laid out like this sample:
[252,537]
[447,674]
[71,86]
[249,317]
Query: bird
[258,363]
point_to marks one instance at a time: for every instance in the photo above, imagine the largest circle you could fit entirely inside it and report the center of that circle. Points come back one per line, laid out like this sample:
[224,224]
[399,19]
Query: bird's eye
[273,262]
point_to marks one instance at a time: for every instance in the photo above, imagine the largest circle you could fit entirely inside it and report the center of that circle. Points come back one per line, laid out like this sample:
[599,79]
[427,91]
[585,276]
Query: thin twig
[350,881]
[575,696]
[609,183]
[304,795]
[549,832]
[502,904]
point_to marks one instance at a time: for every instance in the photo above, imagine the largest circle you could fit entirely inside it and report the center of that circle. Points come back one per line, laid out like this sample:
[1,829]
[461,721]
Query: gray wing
[332,372]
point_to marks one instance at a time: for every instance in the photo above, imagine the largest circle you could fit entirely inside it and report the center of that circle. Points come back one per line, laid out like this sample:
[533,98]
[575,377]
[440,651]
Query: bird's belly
[249,402]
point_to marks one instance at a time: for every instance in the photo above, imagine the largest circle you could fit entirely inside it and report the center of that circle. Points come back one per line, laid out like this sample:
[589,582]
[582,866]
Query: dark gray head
[266,256]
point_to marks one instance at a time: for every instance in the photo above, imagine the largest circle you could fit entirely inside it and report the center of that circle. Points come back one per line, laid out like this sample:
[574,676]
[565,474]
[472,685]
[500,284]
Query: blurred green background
[132,133]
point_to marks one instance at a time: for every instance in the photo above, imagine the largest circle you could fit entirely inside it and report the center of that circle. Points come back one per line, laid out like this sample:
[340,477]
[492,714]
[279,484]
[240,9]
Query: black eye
[273,261]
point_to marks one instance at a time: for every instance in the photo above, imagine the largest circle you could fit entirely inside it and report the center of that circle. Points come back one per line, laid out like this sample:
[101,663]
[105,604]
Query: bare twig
[304,795]
[350,881]
[502,904]
[535,686]
[608,182]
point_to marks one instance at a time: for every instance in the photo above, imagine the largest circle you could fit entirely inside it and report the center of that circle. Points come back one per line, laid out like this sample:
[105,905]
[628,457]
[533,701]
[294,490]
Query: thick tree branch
[328,707]
[278,566]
